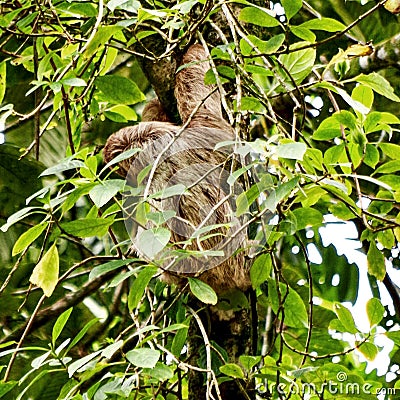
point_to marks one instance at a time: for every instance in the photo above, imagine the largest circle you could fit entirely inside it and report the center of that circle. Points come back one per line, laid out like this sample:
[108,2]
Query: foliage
[316,111]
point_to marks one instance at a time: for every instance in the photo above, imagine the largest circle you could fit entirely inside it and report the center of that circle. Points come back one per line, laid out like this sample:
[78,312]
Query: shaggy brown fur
[189,158]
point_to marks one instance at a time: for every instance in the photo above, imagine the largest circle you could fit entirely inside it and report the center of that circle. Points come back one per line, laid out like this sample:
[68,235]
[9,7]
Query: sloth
[203,222]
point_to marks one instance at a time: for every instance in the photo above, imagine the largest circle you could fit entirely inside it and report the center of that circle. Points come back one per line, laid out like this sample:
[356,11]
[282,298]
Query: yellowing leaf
[45,274]
[353,51]
[2,80]
[393,6]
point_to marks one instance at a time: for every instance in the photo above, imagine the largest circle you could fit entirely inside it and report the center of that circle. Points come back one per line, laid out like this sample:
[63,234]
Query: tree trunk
[227,330]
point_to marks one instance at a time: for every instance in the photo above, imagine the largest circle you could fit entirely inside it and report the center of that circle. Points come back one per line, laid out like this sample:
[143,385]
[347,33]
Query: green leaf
[17,216]
[345,318]
[6,387]
[258,16]
[246,199]
[298,64]
[295,309]
[323,24]
[139,285]
[388,167]
[364,95]
[280,193]
[87,227]
[62,166]
[292,7]
[294,150]
[6,18]
[260,270]
[391,150]
[249,362]
[3,80]
[28,237]
[102,36]
[265,47]
[121,157]
[307,216]
[74,82]
[375,311]
[76,194]
[81,334]
[376,262]
[24,24]
[151,241]
[371,157]
[119,90]
[354,104]
[369,350]
[81,362]
[378,84]
[59,325]
[377,121]
[102,193]
[336,325]
[175,190]
[45,274]
[394,335]
[107,267]
[346,118]
[179,339]
[328,129]
[111,349]
[143,358]
[161,372]
[121,113]
[232,370]
[202,291]
[80,10]
[251,104]
[303,33]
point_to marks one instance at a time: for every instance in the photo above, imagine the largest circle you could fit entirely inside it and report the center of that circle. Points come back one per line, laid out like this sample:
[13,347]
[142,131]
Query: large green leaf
[378,84]
[143,358]
[258,16]
[87,227]
[323,24]
[375,311]
[139,285]
[260,270]
[291,150]
[202,291]
[119,90]
[102,36]
[59,325]
[346,318]
[298,64]
[295,309]
[376,262]
[307,216]
[28,237]
[292,7]
[232,370]
[105,191]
